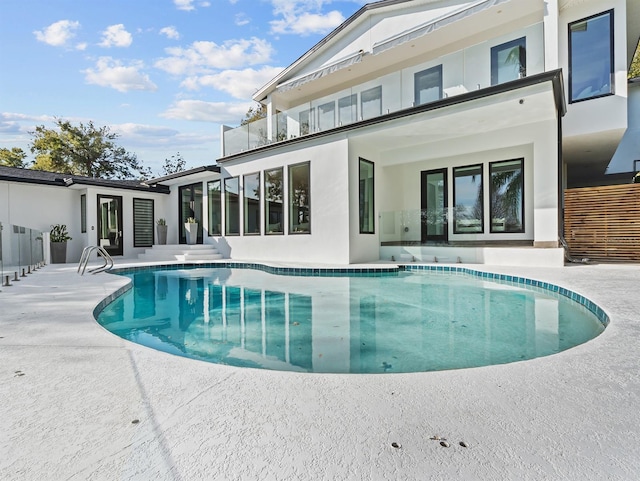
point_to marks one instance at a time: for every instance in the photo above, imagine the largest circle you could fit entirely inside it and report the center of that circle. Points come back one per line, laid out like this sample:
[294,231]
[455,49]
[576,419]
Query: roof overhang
[178,177]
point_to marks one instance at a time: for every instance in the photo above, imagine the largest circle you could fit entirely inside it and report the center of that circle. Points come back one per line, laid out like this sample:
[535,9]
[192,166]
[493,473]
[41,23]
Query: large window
[509,61]
[428,85]
[507,196]
[366,197]
[348,109]
[591,57]
[327,116]
[142,222]
[251,186]
[214,196]
[371,103]
[273,206]
[307,122]
[299,202]
[467,200]
[232,206]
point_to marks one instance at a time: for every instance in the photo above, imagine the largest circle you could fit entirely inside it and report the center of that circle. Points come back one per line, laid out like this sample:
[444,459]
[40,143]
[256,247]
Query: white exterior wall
[329,177]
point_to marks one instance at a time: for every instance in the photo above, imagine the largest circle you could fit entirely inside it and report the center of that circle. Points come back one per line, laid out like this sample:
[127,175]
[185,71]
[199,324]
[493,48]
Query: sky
[162,74]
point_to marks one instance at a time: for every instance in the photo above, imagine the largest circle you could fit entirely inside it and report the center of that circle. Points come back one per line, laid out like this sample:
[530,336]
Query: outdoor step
[181,252]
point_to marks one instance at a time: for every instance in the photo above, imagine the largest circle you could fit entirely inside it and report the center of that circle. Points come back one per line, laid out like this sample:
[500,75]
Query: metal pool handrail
[84,260]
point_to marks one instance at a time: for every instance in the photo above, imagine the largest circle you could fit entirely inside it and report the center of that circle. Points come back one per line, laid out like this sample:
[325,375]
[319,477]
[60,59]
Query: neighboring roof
[552,76]
[13,174]
[184,173]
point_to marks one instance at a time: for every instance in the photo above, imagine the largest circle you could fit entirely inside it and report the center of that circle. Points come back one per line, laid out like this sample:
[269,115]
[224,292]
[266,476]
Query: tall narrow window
[371,103]
[507,196]
[591,57]
[142,222]
[428,85]
[467,200]
[83,213]
[299,201]
[214,197]
[307,122]
[232,206]
[273,206]
[251,186]
[366,205]
[348,109]
[509,61]
[327,116]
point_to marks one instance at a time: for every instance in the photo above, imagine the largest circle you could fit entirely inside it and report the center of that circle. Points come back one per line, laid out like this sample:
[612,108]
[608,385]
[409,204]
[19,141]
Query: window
[299,214]
[371,103]
[232,206]
[591,57]
[366,197]
[348,109]
[251,185]
[428,85]
[306,121]
[507,196]
[214,197]
[142,222]
[273,207]
[467,200]
[83,213]
[327,116]
[509,61]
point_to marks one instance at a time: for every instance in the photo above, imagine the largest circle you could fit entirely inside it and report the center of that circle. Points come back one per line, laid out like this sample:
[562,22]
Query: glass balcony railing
[447,76]
[21,251]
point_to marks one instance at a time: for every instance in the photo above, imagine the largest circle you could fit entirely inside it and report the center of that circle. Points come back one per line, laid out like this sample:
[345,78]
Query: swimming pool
[349,321]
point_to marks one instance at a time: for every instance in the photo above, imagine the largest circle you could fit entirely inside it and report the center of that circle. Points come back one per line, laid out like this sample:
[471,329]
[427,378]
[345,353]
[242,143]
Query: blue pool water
[402,322]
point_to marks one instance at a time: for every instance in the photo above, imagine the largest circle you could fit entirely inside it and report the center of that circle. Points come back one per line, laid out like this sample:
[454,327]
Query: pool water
[407,322]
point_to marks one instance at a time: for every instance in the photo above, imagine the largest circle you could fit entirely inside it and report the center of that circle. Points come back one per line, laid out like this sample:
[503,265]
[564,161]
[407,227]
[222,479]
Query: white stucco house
[418,129]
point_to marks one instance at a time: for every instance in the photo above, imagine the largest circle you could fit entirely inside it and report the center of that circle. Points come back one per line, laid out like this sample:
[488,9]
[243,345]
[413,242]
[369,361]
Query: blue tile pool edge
[596,310]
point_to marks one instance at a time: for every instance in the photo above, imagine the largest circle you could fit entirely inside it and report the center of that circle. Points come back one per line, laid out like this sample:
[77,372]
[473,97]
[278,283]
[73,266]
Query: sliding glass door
[434,205]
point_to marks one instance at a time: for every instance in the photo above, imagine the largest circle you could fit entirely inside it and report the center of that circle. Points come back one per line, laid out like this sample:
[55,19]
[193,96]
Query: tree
[83,149]
[174,165]
[13,158]
[254,113]
[634,68]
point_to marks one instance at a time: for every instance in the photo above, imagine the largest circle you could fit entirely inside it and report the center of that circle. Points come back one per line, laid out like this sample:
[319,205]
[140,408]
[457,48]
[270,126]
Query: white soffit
[321,72]
[433,25]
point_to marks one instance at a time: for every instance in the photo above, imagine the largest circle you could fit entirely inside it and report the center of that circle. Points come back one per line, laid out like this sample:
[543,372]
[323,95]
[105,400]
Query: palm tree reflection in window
[507,196]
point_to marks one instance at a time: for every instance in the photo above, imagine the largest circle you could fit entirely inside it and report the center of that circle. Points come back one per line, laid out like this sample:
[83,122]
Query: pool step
[180,252]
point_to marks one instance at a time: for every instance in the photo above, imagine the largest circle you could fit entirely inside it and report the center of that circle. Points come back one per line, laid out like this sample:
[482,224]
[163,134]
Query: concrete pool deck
[71,393]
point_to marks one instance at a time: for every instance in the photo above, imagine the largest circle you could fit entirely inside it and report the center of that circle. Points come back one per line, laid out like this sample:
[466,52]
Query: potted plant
[58,237]
[191,228]
[161,228]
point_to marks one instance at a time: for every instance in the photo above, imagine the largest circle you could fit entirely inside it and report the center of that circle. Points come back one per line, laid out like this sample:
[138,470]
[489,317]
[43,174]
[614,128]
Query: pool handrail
[86,254]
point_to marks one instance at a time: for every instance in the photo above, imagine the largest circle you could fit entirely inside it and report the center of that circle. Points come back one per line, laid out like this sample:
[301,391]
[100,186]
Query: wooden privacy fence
[603,223]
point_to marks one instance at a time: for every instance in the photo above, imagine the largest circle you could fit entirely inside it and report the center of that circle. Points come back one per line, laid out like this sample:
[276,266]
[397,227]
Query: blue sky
[163,74]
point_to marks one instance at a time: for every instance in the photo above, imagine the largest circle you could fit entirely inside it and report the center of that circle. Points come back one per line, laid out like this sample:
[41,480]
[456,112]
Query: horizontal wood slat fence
[603,223]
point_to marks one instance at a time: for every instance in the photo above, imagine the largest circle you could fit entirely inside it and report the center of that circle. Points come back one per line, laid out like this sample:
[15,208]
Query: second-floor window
[371,103]
[509,61]
[591,57]
[428,85]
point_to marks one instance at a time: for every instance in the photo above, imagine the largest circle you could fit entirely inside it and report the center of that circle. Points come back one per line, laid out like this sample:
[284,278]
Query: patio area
[79,403]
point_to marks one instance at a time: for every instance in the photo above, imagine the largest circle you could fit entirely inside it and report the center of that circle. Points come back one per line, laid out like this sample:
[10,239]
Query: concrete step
[180,252]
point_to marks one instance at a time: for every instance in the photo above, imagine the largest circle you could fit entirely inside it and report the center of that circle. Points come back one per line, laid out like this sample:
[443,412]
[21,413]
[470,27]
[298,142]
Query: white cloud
[217,112]
[111,73]
[187,5]
[242,19]
[130,130]
[116,36]
[58,34]
[202,56]
[170,32]
[240,84]
[304,17]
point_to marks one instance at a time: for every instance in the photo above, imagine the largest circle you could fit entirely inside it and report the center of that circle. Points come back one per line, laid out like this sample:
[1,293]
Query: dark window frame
[244,204]
[289,199]
[267,211]
[209,209]
[522,192]
[361,197]
[428,71]
[226,207]
[612,89]
[136,242]
[516,42]
[482,209]
[83,213]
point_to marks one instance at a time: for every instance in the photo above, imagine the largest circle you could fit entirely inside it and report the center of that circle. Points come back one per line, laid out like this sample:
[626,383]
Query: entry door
[110,233]
[434,205]
[190,206]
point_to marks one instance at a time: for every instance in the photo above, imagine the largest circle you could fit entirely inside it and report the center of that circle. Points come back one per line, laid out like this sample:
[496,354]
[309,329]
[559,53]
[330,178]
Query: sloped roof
[13,174]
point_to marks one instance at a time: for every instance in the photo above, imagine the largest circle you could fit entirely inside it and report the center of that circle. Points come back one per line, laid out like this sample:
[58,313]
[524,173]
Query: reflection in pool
[407,322]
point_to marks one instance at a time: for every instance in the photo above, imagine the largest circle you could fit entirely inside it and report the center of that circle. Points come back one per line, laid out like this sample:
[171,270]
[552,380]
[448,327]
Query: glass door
[434,205]
[190,206]
[110,224]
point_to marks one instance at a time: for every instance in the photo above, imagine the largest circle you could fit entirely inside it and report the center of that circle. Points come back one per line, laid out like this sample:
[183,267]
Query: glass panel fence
[21,251]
